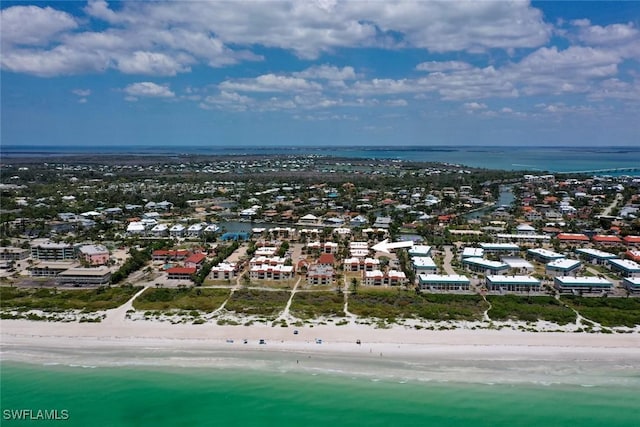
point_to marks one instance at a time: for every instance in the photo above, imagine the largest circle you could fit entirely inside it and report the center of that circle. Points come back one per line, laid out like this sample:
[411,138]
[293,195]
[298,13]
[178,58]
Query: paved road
[448,257]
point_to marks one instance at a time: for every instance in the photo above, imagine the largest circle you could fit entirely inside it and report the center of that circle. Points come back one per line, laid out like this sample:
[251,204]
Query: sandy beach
[469,355]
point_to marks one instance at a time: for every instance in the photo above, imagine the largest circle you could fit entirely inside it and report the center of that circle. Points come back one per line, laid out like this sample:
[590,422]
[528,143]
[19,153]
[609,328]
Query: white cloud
[164,38]
[151,63]
[474,106]
[61,60]
[148,89]
[327,72]
[270,83]
[443,66]
[32,25]
[81,92]
[396,103]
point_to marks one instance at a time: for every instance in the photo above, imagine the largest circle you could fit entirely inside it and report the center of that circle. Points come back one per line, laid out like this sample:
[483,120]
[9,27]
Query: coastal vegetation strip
[392,304]
[202,299]
[312,305]
[55,300]
[608,312]
[529,309]
[258,302]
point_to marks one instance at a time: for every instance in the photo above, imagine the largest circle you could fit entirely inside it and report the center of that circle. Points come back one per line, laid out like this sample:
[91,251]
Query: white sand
[398,353]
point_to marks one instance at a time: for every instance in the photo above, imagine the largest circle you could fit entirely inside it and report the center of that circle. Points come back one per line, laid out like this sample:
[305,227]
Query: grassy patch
[202,299]
[529,309]
[311,305]
[51,299]
[607,311]
[256,302]
[392,304]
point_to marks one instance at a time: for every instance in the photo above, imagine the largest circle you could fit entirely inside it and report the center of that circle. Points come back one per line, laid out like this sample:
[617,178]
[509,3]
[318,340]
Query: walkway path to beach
[118,315]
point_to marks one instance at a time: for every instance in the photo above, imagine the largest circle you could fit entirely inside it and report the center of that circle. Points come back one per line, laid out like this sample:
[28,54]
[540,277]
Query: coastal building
[223,271]
[633,255]
[605,240]
[572,238]
[94,254]
[512,284]
[378,278]
[443,282]
[595,256]
[271,272]
[50,268]
[518,265]
[8,253]
[543,255]
[472,253]
[195,260]
[525,229]
[632,284]
[500,248]
[160,230]
[135,228]
[196,230]
[423,265]
[355,264]
[625,267]
[308,219]
[580,285]
[320,274]
[180,273]
[177,231]
[523,238]
[484,266]
[632,241]
[419,251]
[95,276]
[562,267]
[163,255]
[50,251]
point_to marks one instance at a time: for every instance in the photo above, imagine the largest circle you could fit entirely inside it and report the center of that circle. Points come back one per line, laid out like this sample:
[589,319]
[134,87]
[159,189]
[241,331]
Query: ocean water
[209,396]
[605,160]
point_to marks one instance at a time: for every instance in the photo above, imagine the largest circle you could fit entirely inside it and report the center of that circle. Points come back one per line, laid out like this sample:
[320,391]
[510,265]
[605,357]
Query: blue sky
[323,72]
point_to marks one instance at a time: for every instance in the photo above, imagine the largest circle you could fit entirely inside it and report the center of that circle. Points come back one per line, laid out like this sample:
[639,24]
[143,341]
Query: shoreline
[465,356]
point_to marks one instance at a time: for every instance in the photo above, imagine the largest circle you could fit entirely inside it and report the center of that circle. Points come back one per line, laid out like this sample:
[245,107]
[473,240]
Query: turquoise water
[128,396]
[553,159]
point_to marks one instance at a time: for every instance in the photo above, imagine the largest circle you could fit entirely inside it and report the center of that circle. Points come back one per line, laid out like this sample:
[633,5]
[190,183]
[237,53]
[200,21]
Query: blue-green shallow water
[216,397]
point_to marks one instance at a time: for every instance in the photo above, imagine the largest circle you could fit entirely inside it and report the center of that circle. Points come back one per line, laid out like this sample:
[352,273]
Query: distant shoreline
[506,158]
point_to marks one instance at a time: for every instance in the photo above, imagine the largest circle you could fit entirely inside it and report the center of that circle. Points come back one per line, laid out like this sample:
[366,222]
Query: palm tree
[354,285]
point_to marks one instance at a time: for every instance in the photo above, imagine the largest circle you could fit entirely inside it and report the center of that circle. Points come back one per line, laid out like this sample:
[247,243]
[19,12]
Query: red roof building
[327,259]
[632,255]
[195,260]
[606,240]
[180,273]
[572,237]
[631,240]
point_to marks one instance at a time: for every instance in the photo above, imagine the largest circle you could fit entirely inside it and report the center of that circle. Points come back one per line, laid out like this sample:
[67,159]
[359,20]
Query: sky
[320,73]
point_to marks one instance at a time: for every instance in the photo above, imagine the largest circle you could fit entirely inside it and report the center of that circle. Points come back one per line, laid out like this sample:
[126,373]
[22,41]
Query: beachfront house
[94,254]
[580,285]
[45,250]
[443,282]
[484,266]
[595,256]
[223,271]
[94,276]
[543,255]
[512,284]
[632,284]
[562,267]
[423,265]
[625,267]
